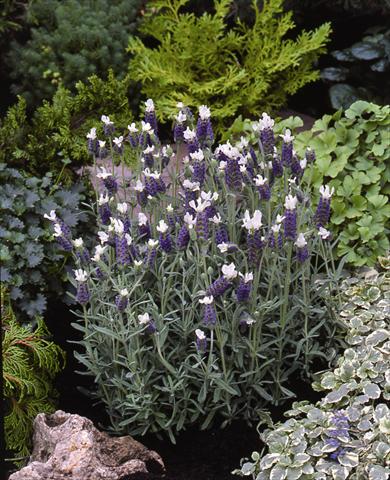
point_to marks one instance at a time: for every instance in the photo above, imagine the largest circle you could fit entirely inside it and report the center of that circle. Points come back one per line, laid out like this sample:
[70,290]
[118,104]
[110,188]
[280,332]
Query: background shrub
[244,70]
[70,41]
[31,266]
[141,298]
[30,362]
[53,139]
[347,433]
[353,156]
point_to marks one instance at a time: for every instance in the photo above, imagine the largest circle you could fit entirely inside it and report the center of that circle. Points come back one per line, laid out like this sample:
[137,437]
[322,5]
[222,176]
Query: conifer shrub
[52,138]
[70,40]
[30,362]
[243,70]
[206,292]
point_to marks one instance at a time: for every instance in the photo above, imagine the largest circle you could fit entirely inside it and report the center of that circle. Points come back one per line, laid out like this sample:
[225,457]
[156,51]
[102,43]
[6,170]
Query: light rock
[69,447]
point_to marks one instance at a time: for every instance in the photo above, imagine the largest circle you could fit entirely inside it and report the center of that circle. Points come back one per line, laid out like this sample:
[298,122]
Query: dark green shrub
[31,266]
[70,41]
[353,156]
[57,129]
[245,70]
[30,362]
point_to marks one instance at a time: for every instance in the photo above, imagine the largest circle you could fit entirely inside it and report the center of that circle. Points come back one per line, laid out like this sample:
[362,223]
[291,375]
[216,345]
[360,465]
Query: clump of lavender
[165,237]
[178,129]
[244,287]
[322,214]
[253,237]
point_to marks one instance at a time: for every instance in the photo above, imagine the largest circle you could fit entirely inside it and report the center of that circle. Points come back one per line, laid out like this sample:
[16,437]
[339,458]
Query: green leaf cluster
[243,70]
[70,40]
[346,435]
[30,362]
[353,156]
[56,131]
[31,266]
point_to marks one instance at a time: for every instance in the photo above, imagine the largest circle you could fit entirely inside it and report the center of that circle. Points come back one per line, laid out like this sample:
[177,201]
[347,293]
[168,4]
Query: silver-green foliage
[358,388]
[160,381]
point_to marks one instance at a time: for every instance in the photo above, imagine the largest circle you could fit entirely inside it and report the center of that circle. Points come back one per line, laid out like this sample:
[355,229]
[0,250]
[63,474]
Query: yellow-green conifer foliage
[30,362]
[246,69]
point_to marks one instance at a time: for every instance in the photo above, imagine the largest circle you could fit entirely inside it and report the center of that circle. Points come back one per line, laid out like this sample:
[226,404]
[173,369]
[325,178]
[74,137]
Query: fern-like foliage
[244,70]
[30,362]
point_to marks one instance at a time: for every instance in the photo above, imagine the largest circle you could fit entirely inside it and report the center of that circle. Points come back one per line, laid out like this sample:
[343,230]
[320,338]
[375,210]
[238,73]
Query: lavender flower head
[82,295]
[302,251]
[322,214]
[133,135]
[121,243]
[141,193]
[81,252]
[199,167]
[104,208]
[209,315]
[183,236]
[150,115]
[62,239]
[92,142]
[202,219]
[287,148]
[324,233]
[108,125]
[109,181]
[245,286]
[121,300]
[178,129]
[145,321]
[254,240]
[191,140]
[144,138]
[164,237]
[221,235]
[143,226]
[102,151]
[151,253]
[204,130]
[147,158]
[201,340]
[118,144]
[263,187]
[290,217]
[265,127]
[219,287]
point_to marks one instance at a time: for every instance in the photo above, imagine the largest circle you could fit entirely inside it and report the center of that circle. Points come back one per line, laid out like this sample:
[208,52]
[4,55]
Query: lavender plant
[347,434]
[205,295]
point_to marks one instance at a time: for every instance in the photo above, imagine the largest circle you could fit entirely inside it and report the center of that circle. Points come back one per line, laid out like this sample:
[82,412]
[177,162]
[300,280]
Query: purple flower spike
[64,241]
[143,226]
[287,148]
[263,188]
[202,226]
[148,158]
[145,321]
[150,115]
[201,341]
[219,286]
[164,238]
[65,244]
[302,251]
[267,137]
[92,144]
[290,218]
[221,235]
[150,258]
[121,300]
[310,155]
[210,315]
[322,214]
[277,166]
[108,125]
[244,288]
[133,135]
[122,250]
[204,130]
[82,295]
[183,238]
[178,129]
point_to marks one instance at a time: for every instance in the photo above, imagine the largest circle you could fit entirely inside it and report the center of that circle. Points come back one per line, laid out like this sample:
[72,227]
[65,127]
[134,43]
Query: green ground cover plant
[347,434]
[53,137]
[244,70]
[353,156]
[70,40]
[30,362]
[206,292]
[31,266]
